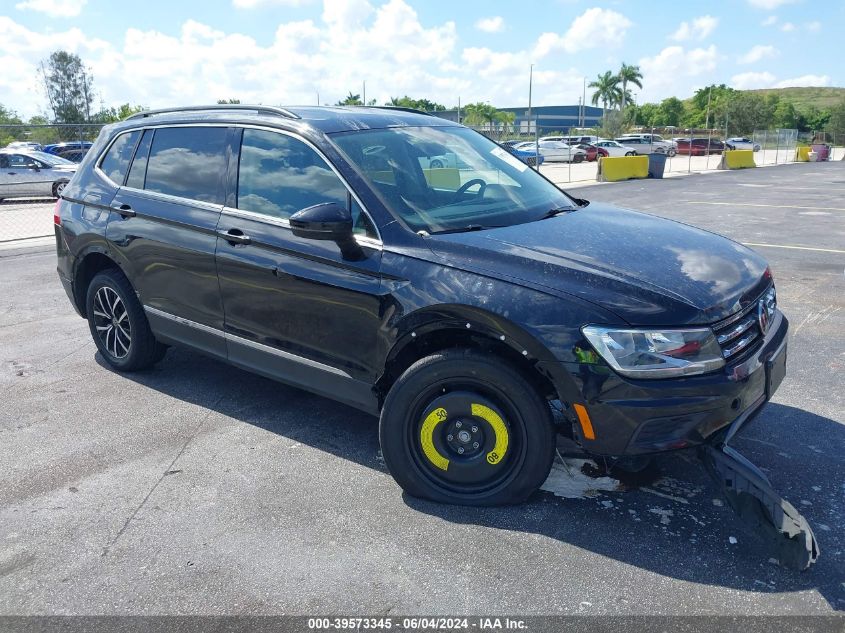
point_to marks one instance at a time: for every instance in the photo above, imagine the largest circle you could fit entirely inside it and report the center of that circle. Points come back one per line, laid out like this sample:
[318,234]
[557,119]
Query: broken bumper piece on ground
[752,497]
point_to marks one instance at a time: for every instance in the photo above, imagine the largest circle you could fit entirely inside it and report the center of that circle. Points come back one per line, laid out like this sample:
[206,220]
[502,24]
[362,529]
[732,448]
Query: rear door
[163,225]
[300,310]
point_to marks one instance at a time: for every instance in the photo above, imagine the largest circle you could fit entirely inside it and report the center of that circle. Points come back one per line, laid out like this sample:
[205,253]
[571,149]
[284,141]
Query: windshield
[50,159]
[440,179]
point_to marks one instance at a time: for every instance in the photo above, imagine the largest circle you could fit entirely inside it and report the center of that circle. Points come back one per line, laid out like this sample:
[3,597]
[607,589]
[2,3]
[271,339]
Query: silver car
[31,174]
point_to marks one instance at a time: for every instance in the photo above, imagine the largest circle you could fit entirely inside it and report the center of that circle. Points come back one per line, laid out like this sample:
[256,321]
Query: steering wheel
[471,183]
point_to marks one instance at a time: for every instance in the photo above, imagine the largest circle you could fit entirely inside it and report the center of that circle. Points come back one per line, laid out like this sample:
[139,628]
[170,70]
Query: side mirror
[326,221]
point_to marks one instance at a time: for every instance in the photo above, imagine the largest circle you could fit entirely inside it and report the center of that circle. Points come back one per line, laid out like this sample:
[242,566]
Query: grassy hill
[802,98]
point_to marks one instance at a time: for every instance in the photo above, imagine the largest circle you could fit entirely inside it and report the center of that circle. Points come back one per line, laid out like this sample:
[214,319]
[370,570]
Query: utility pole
[459,108]
[364,92]
[584,107]
[530,83]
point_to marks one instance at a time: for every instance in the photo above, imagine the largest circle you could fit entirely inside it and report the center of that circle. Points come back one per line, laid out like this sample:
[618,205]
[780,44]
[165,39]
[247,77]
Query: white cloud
[769,4]
[813,26]
[673,69]
[353,41]
[493,24]
[595,28]
[804,81]
[53,8]
[758,53]
[699,29]
[787,27]
[770,21]
[752,80]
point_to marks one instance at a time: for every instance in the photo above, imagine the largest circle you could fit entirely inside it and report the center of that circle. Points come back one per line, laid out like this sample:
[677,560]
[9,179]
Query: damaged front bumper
[750,494]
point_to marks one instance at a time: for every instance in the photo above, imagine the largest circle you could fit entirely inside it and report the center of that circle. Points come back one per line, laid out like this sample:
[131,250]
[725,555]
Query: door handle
[124,210]
[234,236]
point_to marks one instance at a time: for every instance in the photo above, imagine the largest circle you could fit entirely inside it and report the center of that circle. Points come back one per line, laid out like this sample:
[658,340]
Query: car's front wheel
[118,323]
[463,427]
[630,153]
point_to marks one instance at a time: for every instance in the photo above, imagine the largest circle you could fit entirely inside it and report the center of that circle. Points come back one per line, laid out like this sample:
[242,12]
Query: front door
[299,310]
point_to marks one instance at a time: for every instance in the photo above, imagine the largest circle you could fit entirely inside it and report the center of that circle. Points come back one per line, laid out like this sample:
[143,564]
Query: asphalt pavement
[197,488]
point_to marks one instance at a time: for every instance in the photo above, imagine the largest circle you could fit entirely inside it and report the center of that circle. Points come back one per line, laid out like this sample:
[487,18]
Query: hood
[645,269]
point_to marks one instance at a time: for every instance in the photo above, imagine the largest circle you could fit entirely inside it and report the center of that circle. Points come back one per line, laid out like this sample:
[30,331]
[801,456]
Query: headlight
[656,353]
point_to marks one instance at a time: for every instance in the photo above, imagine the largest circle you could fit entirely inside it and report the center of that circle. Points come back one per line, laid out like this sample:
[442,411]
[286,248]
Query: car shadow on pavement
[676,525]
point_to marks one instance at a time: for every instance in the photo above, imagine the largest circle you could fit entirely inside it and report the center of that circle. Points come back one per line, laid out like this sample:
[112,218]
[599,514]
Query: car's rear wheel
[118,324]
[436,164]
[462,427]
[579,158]
[59,187]
[630,153]
[670,153]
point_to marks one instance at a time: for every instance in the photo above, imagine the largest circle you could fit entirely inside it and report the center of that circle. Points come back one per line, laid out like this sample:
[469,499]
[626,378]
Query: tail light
[57,220]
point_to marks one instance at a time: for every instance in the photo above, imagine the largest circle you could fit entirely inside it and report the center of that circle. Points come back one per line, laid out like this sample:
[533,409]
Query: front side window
[481,186]
[116,161]
[188,162]
[279,175]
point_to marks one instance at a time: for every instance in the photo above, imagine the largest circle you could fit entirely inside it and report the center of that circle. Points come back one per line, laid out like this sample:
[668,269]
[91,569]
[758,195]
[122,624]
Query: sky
[177,52]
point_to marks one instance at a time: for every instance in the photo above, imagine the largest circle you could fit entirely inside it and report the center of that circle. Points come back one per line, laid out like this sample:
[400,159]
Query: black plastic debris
[750,494]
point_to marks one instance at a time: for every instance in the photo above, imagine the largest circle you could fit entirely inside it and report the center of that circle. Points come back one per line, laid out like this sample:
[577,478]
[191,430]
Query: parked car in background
[59,149]
[525,153]
[701,146]
[614,148]
[27,145]
[593,152]
[580,140]
[644,145]
[741,142]
[557,151]
[74,155]
[26,173]
[438,162]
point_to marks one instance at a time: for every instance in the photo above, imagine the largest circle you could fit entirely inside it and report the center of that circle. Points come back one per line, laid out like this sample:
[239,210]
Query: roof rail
[258,109]
[401,109]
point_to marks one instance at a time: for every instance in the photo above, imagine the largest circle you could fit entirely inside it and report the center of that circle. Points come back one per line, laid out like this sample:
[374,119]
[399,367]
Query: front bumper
[635,417]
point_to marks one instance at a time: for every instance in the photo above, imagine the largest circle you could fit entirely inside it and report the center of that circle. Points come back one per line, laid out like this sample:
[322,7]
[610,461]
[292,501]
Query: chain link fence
[28,180]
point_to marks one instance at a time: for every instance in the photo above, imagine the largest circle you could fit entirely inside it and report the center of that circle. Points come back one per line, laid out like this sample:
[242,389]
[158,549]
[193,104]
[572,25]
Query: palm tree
[607,89]
[628,75]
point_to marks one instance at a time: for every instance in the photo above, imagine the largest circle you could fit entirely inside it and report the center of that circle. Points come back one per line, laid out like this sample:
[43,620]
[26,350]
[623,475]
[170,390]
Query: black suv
[318,246]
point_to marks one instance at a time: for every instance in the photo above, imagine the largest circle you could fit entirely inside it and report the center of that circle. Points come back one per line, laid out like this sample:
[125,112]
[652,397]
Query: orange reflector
[584,419]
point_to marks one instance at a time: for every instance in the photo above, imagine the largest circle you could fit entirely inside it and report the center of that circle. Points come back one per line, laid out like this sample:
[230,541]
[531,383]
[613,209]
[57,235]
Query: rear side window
[139,163]
[188,162]
[116,161]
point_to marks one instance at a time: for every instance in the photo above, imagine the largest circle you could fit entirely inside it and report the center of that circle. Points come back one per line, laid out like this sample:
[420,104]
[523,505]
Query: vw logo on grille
[766,310]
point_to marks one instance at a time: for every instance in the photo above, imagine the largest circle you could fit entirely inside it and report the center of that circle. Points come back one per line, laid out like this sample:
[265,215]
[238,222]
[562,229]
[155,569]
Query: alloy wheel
[111,321]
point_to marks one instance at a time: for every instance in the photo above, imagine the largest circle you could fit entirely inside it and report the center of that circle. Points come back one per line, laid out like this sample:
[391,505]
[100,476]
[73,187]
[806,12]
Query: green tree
[227,101]
[607,90]
[671,112]
[9,117]
[648,115]
[815,119]
[785,116]
[418,104]
[112,115]
[68,85]
[351,99]
[483,114]
[628,74]
[836,120]
[748,111]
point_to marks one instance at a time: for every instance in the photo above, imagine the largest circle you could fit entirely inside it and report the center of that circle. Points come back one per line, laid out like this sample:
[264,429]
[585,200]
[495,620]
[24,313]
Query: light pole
[530,84]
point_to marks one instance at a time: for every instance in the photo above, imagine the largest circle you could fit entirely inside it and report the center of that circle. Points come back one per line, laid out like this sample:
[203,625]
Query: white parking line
[752,204]
[797,248]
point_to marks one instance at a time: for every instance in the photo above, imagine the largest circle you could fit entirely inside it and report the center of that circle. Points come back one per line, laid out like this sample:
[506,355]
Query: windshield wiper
[557,211]
[467,229]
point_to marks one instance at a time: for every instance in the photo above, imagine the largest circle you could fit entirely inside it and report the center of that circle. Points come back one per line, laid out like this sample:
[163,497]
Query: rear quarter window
[115,163]
[188,162]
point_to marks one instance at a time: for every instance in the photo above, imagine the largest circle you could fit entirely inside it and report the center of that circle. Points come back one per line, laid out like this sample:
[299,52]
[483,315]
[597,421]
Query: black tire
[436,164]
[495,402]
[111,301]
[58,187]
[578,158]
[630,153]
[670,153]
